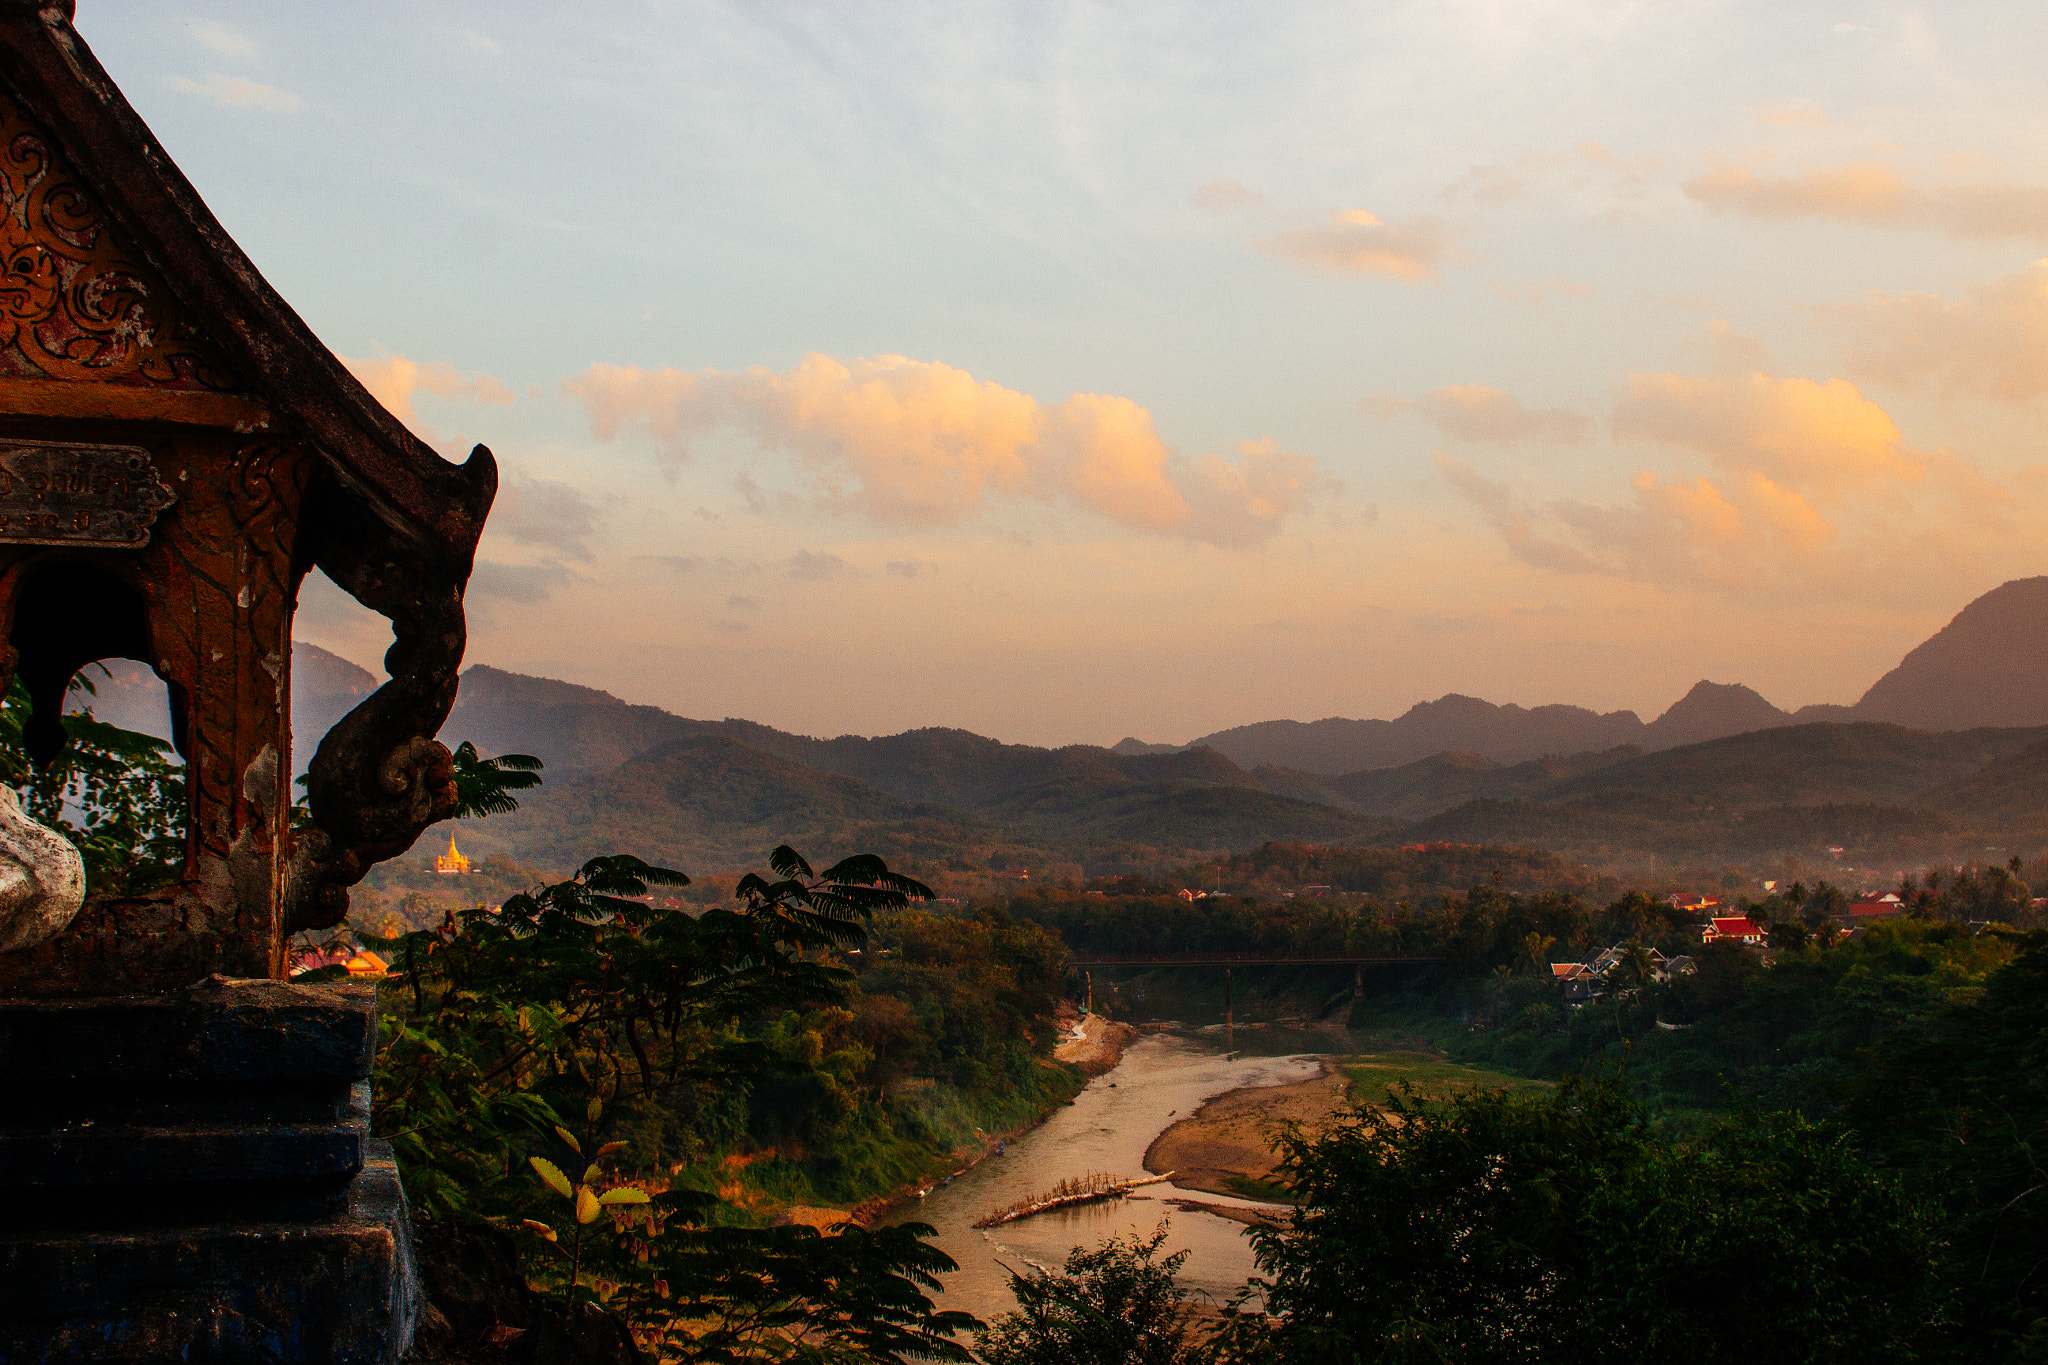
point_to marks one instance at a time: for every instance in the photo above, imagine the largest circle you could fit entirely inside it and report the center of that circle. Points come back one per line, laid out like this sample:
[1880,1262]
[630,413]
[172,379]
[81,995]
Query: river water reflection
[1164,1077]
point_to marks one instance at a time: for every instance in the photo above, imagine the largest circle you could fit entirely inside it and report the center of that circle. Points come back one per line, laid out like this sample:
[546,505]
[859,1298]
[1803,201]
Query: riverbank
[869,1212]
[1106,1129]
[1100,1047]
[1096,1053]
[1225,1147]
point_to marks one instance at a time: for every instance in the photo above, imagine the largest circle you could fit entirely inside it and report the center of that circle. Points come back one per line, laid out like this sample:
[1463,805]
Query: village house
[1582,985]
[1584,982]
[1740,928]
[1873,908]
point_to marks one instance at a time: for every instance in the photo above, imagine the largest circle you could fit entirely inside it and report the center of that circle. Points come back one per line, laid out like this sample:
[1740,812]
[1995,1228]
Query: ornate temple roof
[187,317]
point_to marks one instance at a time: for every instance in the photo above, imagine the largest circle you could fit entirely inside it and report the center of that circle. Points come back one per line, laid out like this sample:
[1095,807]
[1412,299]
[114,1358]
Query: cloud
[225,39]
[817,567]
[1992,342]
[1504,182]
[393,380]
[1798,432]
[1588,175]
[546,513]
[1475,412]
[694,563]
[741,602]
[1355,242]
[524,584]
[1497,504]
[1739,533]
[1221,196]
[237,92]
[910,568]
[1813,491]
[1864,192]
[921,443]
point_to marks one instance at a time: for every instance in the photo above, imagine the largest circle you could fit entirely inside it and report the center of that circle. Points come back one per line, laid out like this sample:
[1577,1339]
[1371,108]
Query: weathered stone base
[191,1177]
[342,1290]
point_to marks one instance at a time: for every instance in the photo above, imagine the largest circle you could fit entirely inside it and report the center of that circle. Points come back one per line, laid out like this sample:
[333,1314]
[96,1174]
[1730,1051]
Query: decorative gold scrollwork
[75,301]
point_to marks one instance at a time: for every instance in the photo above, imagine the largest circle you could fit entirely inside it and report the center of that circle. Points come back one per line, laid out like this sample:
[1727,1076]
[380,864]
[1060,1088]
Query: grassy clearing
[1373,1073]
[1266,1191]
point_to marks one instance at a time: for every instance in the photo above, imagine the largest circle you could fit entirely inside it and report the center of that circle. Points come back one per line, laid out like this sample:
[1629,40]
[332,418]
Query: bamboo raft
[1086,1190]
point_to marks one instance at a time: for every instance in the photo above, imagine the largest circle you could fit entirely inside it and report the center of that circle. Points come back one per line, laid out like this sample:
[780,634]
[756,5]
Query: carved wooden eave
[127,315]
[282,376]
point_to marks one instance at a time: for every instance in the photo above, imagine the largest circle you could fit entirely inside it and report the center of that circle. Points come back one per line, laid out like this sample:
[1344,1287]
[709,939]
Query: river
[1163,1077]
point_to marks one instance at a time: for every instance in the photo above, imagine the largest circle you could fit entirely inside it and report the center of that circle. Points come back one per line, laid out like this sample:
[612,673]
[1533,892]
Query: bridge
[1358,962]
[1245,959]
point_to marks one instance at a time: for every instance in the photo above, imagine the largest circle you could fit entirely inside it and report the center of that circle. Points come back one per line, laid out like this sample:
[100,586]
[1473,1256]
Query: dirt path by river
[1224,1147]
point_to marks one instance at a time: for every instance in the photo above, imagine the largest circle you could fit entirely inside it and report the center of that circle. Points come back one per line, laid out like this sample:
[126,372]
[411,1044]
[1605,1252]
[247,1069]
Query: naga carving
[379,777]
[75,303]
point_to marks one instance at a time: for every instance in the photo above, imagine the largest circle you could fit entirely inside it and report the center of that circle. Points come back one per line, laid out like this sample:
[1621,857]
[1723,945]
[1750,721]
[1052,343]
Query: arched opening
[66,615]
[91,733]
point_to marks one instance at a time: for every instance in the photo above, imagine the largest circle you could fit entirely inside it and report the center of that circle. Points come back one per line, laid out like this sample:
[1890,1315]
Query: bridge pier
[1229,1019]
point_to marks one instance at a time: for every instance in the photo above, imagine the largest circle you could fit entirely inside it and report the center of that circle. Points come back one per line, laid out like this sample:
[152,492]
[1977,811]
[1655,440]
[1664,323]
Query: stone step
[341,1289]
[92,1152]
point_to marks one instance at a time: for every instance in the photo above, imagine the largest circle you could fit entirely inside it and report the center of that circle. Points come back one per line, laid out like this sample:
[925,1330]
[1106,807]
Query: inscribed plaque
[58,493]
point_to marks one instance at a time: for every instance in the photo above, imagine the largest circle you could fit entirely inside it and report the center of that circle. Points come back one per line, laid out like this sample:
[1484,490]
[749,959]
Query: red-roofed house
[1741,928]
[1863,911]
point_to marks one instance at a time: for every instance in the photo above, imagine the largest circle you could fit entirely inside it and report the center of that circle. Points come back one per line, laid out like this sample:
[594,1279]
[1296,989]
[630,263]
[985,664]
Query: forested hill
[712,794]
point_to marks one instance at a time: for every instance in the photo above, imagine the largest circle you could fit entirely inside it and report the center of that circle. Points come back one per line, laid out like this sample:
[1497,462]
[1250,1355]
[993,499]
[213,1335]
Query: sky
[1066,371]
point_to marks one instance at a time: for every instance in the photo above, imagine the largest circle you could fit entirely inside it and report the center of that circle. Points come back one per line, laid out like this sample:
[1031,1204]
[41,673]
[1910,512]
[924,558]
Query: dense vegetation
[1826,1150]
[1823,1151]
[668,1040]
[118,796]
[1495,1228]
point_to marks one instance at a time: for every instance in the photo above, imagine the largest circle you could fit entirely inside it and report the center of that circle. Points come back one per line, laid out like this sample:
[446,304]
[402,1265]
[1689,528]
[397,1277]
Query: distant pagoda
[453,863]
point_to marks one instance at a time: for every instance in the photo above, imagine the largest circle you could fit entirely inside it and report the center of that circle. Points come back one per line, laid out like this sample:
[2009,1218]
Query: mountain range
[1723,776]
[1987,667]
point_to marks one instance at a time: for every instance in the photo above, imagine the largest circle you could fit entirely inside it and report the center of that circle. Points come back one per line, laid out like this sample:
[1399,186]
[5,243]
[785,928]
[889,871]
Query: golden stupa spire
[453,863]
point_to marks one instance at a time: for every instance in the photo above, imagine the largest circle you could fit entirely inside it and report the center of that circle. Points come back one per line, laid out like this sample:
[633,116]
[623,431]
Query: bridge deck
[1246,959]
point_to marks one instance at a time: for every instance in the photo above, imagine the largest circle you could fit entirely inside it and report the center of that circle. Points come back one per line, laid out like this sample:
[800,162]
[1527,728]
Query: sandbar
[1225,1147]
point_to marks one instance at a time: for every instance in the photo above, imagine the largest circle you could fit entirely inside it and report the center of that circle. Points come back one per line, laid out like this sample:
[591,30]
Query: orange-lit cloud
[1739,533]
[1476,412]
[1795,431]
[922,443]
[1798,461]
[1356,242]
[1864,192]
[393,380]
[1993,341]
